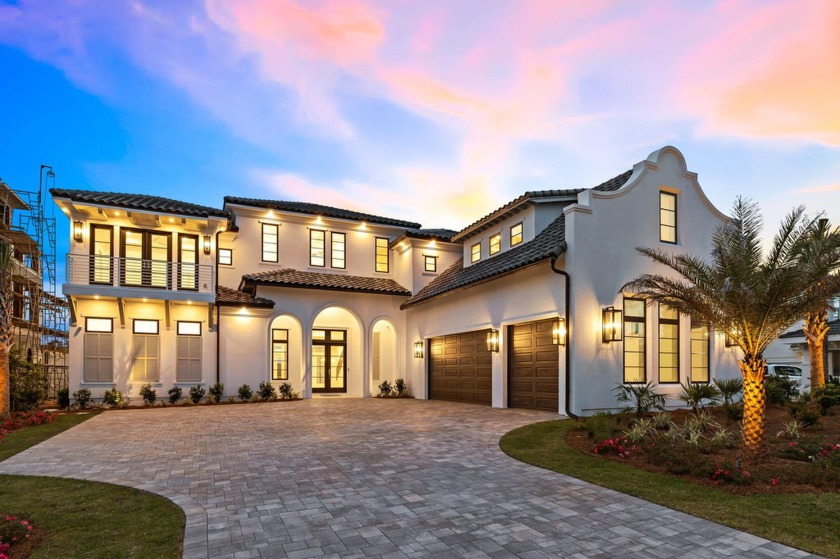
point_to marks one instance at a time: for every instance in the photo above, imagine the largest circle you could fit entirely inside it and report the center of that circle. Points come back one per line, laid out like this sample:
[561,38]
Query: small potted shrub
[286,392]
[175,394]
[148,394]
[197,392]
[112,398]
[82,397]
[216,392]
[266,391]
[245,393]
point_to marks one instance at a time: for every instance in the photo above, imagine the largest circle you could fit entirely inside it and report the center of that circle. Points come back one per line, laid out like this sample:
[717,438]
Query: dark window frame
[219,253]
[643,321]
[195,238]
[92,273]
[343,236]
[178,327]
[426,259]
[672,322]
[276,244]
[108,318]
[475,256]
[312,232]
[490,251]
[521,233]
[676,216]
[275,342]
[146,270]
[708,345]
[134,322]
[376,248]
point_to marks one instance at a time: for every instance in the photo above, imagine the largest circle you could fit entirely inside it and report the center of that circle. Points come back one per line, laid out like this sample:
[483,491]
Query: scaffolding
[40,315]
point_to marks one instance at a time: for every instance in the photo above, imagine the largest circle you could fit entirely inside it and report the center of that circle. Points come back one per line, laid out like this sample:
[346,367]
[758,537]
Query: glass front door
[146,256]
[329,366]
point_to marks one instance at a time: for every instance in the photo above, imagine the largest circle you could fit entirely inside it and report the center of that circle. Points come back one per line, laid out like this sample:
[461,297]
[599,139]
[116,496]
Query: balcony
[134,277]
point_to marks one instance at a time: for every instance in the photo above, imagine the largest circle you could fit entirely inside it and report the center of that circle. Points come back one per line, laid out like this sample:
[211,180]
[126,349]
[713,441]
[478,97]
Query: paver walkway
[369,478]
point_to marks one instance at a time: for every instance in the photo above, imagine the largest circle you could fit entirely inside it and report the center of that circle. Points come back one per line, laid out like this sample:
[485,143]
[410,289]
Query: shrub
[729,389]
[286,392]
[216,392]
[827,463]
[805,414]
[245,393]
[197,392]
[27,382]
[640,429]
[618,446]
[175,394]
[662,420]
[641,397]
[725,473]
[26,419]
[82,397]
[790,430]
[148,394]
[734,412]
[779,389]
[385,389]
[694,394]
[14,530]
[678,457]
[267,392]
[400,387]
[112,397]
[63,398]
[723,438]
[702,421]
[600,426]
[803,450]
[827,397]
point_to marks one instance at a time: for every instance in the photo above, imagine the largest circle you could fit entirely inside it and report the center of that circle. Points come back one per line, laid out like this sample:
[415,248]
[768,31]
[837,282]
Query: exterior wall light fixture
[493,341]
[558,332]
[729,341]
[611,325]
[419,349]
[206,244]
[77,231]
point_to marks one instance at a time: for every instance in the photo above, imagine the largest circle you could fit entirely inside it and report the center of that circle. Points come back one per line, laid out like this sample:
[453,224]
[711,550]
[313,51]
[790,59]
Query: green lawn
[808,522]
[83,518]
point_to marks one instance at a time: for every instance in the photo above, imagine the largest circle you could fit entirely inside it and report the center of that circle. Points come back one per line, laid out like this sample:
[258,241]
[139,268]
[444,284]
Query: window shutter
[377,358]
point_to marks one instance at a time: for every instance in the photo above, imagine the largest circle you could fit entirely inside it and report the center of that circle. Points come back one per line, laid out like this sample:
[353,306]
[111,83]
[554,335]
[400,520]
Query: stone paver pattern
[354,478]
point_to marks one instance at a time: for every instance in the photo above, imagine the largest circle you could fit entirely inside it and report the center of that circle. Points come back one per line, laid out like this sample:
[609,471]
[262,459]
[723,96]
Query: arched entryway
[383,354]
[336,353]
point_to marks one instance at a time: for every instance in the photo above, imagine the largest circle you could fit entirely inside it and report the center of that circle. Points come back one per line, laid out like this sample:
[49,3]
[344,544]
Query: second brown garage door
[461,368]
[533,367]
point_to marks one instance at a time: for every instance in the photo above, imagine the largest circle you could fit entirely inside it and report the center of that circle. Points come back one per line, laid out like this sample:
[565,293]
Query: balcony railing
[113,271]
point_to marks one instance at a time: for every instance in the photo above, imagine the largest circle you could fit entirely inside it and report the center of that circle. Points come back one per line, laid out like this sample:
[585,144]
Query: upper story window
[146,257]
[495,243]
[475,252]
[101,250]
[188,257]
[382,254]
[317,247]
[634,340]
[225,257]
[515,234]
[338,250]
[270,242]
[667,217]
[430,263]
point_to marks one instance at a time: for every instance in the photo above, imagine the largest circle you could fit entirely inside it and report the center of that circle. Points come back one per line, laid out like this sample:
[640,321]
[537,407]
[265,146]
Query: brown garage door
[533,367]
[461,369]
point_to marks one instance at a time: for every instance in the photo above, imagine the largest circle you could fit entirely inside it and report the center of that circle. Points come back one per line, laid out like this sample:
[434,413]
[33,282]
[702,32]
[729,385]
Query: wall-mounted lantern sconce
[611,324]
[558,332]
[206,244]
[729,341]
[493,341]
[77,231]
[418,349]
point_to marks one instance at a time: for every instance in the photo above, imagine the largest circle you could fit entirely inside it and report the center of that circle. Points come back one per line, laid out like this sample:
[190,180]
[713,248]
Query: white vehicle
[803,382]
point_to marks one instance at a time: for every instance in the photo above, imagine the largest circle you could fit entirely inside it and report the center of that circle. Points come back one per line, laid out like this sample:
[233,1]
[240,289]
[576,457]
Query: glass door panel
[133,254]
[159,256]
[319,367]
[337,367]
[188,258]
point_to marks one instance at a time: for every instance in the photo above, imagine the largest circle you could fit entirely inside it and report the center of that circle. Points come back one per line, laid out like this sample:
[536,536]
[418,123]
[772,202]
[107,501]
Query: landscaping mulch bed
[777,475]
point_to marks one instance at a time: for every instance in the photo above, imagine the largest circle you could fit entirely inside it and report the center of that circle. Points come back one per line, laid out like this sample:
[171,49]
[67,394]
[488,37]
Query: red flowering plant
[618,446]
[726,474]
[13,530]
[26,419]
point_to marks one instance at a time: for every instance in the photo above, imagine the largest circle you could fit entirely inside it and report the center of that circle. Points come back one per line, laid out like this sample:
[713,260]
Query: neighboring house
[521,309]
[791,348]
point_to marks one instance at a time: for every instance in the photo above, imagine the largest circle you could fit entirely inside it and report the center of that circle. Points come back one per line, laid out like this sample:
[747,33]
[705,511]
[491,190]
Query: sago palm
[750,296]
[821,255]
[6,328]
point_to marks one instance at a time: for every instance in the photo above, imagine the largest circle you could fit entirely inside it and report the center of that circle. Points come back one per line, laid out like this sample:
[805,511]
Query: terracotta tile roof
[550,242]
[143,202]
[508,209]
[227,297]
[290,277]
[833,330]
[318,209]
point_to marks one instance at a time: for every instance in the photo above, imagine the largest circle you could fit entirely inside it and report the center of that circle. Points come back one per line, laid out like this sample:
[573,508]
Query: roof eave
[269,283]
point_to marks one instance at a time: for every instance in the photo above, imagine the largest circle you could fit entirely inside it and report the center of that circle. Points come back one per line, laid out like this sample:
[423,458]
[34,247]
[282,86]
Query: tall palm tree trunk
[755,406]
[7,331]
[816,329]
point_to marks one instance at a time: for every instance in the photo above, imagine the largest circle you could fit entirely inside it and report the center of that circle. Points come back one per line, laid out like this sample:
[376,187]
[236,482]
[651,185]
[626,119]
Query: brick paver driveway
[369,478]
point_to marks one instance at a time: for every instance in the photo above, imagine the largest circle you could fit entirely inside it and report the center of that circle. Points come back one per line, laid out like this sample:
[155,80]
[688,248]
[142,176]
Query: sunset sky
[433,111]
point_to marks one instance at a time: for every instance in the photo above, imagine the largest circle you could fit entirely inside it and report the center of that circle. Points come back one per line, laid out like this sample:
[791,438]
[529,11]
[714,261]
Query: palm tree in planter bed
[821,253]
[750,297]
[6,328]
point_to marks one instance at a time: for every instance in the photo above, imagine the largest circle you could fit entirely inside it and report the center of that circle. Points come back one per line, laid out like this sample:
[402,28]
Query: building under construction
[39,315]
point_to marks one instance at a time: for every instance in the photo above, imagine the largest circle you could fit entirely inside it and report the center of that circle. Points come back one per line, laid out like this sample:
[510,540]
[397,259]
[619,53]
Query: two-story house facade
[522,308]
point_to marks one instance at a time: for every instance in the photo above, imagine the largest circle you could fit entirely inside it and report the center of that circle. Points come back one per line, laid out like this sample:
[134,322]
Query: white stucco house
[520,309]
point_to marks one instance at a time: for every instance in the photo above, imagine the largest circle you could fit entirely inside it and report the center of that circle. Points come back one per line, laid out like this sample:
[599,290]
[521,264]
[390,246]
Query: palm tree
[750,297]
[821,253]
[6,329]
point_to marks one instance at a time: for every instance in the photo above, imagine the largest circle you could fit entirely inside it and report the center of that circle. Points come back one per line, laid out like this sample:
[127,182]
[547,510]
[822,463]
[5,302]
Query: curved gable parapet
[662,159]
